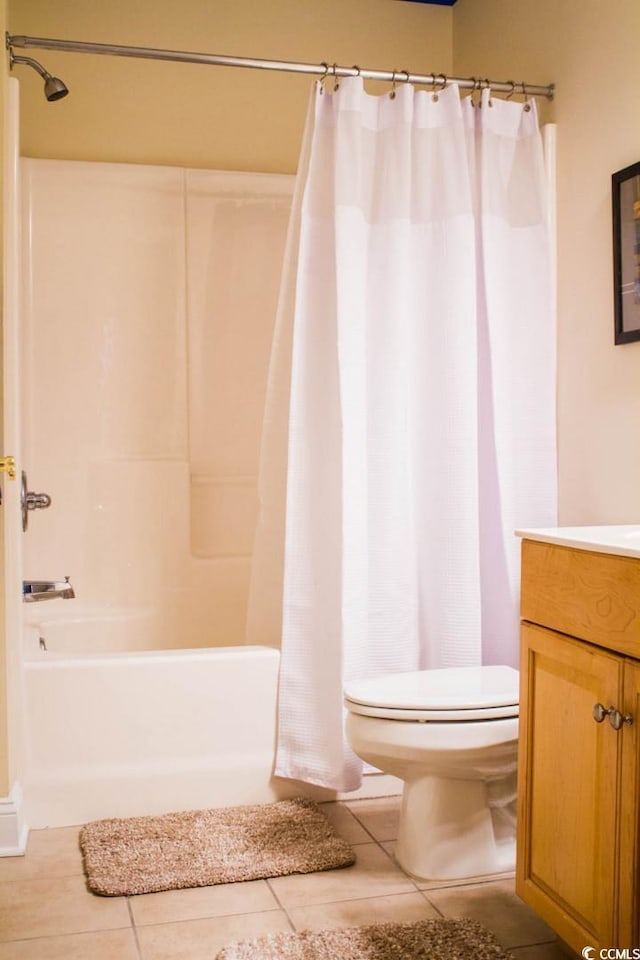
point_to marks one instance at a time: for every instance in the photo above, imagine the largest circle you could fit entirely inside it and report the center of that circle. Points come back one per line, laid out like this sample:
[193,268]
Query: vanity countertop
[622,540]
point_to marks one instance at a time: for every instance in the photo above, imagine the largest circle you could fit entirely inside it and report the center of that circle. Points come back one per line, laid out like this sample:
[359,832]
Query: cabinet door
[568,787]
[630,809]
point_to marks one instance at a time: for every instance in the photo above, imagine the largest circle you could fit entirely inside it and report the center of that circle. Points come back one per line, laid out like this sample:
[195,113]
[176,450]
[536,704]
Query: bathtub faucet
[34,590]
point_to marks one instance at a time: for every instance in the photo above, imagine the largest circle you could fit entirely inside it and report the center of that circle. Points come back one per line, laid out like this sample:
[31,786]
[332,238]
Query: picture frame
[625,195]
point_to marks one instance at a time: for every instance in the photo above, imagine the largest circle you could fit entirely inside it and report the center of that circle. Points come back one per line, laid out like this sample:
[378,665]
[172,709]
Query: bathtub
[112,733]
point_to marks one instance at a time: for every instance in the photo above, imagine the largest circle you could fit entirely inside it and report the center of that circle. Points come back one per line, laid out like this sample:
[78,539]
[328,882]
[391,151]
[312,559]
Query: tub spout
[35,590]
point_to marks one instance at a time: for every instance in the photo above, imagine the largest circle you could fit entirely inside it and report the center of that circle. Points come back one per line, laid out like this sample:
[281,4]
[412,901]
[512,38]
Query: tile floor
[46,912]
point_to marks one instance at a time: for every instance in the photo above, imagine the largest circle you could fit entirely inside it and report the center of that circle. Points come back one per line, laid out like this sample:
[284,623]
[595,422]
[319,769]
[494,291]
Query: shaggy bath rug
[204,847]
[425,940]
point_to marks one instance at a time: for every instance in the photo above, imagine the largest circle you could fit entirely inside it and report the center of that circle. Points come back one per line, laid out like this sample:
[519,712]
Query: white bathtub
[132,733]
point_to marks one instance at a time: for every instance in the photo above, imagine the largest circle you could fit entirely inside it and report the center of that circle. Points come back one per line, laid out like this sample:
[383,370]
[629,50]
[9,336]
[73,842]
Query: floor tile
[253,896]
[344,823]
[401,908]
[496,905]
[374,874]
[379,816]
[49,907]
[50,853]
[104,945]
[202,939]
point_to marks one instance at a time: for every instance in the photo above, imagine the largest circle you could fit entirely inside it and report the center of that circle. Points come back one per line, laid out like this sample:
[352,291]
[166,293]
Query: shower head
[54,88]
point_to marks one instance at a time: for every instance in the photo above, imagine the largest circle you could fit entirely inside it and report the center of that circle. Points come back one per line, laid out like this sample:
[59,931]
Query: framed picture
[625,189]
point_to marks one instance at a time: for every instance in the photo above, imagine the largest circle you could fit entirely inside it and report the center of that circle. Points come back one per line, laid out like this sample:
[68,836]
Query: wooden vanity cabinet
[579,763]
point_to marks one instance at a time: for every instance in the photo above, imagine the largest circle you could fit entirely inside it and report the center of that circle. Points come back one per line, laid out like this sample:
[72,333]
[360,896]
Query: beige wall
[589,49]
[189,115]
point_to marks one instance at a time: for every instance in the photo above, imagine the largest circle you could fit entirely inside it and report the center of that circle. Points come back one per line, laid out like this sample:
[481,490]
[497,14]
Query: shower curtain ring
[527,105]
[477,85]
[487,86]
[324,75]
[512,91]
[394,74]
[336,81]
[437,90]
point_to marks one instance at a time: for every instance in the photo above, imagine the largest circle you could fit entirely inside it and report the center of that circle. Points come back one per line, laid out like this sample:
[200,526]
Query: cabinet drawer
[592,596]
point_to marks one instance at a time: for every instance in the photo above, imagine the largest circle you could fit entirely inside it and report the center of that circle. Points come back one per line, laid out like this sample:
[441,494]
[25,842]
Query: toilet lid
[452,693]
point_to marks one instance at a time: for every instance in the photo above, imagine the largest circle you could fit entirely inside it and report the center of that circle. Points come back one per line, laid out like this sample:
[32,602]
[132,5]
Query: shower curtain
[410,423]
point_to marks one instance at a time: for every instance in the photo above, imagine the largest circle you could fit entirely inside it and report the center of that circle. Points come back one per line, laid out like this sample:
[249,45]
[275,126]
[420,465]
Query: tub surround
[578,863]
[164,292]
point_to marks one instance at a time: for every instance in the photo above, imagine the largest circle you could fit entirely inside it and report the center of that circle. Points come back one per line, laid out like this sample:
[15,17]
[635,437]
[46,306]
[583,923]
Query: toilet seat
[443,695]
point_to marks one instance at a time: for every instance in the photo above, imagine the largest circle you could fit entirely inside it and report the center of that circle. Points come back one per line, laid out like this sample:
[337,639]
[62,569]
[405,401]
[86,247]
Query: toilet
[451,735]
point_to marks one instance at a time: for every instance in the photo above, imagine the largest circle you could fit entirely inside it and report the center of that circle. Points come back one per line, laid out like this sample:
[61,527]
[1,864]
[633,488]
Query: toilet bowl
[451,735]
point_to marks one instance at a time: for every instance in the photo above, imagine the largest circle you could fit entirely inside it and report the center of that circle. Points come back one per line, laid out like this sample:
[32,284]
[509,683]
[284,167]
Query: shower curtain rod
[321,69]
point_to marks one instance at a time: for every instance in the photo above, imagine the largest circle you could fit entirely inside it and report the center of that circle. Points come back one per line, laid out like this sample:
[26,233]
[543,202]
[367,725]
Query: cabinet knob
[600,712]
[617,719]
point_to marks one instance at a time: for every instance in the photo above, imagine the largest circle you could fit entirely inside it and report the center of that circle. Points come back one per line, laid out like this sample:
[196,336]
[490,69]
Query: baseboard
[13,832]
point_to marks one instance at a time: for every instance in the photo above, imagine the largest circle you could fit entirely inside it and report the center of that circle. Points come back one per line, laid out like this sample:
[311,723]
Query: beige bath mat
[425,940]
[204,847]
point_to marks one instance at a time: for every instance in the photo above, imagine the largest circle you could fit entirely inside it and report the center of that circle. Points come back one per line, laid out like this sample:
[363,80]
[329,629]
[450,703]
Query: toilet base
[457,829]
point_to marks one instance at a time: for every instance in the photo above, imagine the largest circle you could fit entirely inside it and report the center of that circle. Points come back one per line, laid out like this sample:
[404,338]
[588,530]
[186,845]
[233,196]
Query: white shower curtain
[410,419]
